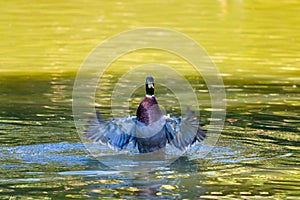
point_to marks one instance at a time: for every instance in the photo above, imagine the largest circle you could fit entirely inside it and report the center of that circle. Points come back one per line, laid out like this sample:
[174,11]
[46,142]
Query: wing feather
[117,133]
[182,133]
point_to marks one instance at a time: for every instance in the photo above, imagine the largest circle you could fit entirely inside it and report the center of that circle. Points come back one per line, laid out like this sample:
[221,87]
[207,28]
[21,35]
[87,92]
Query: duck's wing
[184,132]
[115,132]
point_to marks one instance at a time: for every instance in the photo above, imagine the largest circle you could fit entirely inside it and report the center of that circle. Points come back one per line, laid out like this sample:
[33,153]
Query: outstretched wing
[116,132]
[184,132]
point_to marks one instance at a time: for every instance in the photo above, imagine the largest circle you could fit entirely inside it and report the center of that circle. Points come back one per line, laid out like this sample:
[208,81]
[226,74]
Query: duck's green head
[150,86]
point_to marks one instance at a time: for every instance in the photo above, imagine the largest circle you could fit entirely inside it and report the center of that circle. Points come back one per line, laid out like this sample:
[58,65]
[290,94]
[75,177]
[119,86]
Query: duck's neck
[149,90]
[149,95]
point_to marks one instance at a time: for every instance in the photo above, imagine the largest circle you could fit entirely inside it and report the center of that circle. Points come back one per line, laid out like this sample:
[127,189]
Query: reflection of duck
[150,130]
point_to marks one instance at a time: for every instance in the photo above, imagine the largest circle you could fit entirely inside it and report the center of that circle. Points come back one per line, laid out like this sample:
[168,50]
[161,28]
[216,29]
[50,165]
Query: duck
[148,131]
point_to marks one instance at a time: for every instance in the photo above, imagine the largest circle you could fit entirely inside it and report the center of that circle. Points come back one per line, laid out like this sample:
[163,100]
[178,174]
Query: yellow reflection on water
[244,38]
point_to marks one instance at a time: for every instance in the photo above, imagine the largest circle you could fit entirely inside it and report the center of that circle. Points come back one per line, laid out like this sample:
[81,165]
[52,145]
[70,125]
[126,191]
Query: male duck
[150,130]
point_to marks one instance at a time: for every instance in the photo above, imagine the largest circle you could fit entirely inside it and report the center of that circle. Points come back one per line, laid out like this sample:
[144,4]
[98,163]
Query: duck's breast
[148,111]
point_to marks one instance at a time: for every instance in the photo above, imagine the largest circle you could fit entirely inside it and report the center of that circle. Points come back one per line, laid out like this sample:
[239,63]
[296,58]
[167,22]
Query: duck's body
[150,130]
[148,113]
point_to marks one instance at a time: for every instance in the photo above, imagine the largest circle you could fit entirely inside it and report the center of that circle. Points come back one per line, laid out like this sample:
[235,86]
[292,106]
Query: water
[42,156]
[255,46]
